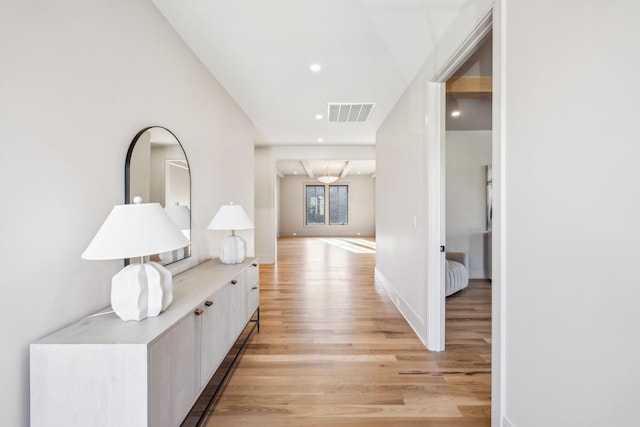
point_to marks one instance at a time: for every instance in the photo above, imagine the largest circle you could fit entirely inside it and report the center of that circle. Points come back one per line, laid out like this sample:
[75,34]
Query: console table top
[190,289]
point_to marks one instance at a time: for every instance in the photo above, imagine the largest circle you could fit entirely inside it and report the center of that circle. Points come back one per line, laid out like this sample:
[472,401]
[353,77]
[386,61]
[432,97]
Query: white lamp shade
[135,230]
[230,217]
[180,215]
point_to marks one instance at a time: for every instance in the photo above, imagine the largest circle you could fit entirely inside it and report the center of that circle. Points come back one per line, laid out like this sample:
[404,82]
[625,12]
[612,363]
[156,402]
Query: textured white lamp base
[172,256]
[232,250]
[139,291]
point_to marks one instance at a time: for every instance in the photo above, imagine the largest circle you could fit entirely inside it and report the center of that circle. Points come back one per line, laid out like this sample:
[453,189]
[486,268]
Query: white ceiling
[369,51]
[261,50]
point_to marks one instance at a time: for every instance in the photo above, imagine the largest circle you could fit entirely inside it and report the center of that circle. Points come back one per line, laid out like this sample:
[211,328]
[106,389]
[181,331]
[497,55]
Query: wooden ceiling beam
[469,85]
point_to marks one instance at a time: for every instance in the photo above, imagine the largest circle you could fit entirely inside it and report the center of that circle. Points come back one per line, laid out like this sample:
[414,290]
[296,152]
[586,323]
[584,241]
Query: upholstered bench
[457,272]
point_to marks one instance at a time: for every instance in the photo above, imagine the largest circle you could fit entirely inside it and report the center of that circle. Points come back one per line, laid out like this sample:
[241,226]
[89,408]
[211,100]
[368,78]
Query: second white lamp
[233,249]
[181,216]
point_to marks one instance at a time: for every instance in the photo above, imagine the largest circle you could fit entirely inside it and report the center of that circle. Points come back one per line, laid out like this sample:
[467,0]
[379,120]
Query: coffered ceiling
[316,168]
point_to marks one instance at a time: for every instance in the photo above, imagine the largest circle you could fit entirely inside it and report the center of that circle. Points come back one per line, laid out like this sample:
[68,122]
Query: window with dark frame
[316,203]
[338,204]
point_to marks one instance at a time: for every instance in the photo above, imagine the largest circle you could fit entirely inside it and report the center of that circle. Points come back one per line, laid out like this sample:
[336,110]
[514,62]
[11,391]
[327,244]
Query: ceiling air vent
[349,112]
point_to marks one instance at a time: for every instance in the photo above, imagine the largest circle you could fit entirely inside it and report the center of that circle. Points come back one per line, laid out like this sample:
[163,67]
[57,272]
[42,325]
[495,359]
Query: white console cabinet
[102,371]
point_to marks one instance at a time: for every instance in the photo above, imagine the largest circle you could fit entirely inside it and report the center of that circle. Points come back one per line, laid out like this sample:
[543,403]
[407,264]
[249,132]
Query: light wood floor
[334,351]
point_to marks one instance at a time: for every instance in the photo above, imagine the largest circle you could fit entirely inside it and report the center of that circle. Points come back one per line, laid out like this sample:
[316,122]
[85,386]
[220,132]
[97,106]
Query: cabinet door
[101,385]
[174,376]
[215,333]
[253,290]
[237,306]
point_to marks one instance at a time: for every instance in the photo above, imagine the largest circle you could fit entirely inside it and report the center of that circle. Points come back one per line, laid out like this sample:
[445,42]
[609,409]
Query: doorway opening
[436,91]
[468,190]
[435,200]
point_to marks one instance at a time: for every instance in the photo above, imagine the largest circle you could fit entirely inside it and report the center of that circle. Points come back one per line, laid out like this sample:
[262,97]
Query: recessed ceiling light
[319,116]
[455,113]
[315,67]
[295,172]
[320,140]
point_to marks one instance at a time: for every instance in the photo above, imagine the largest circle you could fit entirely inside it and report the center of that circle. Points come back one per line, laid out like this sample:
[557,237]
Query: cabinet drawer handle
[255,288]
[208,303]
[199,311]
[254,264]
[234,282]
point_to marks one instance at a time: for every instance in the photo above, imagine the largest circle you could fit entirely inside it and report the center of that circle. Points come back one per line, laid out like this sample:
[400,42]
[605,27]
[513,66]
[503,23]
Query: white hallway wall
[467,154]
[571,206]
[572,213]
[79,80]
[361,208]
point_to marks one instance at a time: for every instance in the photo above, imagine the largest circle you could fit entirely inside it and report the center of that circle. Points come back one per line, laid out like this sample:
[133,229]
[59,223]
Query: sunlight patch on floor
[356,246]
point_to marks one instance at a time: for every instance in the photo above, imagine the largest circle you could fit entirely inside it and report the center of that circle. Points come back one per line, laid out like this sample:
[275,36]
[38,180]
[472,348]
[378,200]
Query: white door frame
[435,200]
[435,112]
[435,106]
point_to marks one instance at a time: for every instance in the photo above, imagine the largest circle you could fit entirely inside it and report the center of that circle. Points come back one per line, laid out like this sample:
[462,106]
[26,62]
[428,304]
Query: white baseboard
[412,318]
[476,273]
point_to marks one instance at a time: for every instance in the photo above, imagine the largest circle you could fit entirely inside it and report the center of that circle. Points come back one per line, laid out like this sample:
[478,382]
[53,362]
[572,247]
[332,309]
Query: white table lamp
[231,217]
[181,216]
[142,289]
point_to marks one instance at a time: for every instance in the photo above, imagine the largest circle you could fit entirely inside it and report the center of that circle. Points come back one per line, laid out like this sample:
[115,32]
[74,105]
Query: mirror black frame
[127,176]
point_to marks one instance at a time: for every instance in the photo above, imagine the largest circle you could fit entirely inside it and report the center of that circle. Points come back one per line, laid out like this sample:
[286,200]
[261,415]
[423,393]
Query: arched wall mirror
[157,170]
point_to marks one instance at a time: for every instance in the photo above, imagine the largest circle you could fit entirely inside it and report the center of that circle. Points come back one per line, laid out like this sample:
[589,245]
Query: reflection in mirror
[158,171]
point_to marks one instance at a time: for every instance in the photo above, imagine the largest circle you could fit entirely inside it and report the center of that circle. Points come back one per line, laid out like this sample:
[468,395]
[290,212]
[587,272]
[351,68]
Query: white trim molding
[467,47]
[414,320]
[435,218]
[499,255]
